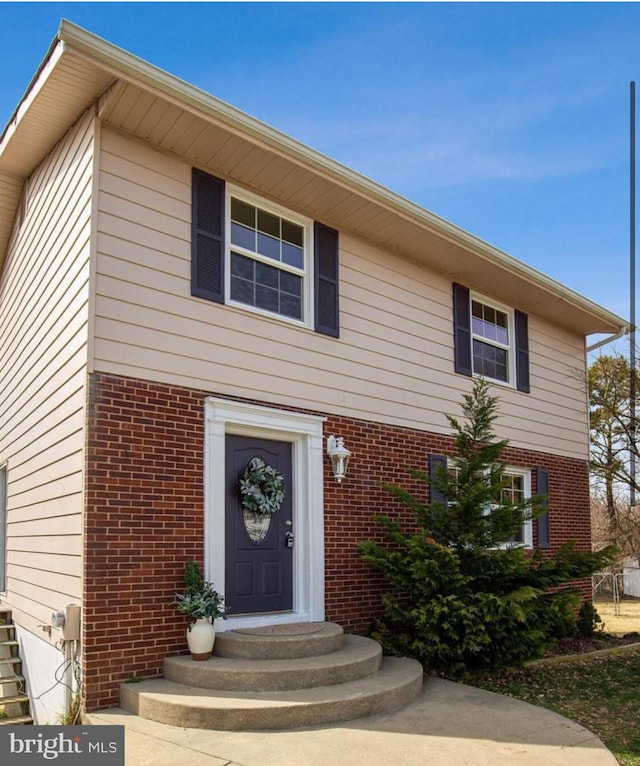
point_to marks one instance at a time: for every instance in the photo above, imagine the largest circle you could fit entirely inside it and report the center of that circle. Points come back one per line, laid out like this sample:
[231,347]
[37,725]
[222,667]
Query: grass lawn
[623,619]
[602,694]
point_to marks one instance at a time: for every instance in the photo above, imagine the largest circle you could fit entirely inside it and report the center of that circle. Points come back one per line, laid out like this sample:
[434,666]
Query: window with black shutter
[252,253]
[207,236]
[326,280]
[490,339]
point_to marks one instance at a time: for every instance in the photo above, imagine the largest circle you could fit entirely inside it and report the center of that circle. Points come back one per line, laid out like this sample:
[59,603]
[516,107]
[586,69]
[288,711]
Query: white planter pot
[201,636]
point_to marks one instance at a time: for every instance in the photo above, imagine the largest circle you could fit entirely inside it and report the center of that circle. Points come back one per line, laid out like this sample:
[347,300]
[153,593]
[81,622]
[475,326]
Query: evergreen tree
[463,596]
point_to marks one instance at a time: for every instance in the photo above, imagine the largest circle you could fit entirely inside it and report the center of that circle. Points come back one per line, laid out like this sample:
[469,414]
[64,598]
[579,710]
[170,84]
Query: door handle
[289,538]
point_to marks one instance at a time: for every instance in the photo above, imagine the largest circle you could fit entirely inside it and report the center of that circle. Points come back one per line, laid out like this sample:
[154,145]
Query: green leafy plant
[261,487]
[200,599]
[462,595]
[73,715]
[193,579]
[589,621]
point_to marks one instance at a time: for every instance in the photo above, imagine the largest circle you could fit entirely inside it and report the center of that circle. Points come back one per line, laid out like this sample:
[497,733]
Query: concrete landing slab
[449,725]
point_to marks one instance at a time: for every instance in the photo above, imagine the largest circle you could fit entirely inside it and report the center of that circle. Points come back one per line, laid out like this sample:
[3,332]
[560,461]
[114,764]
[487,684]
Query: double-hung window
[490,339]
[255,255]
[516,491]
[269,258]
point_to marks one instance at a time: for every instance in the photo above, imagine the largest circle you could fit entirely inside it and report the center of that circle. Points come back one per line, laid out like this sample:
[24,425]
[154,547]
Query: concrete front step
[327,638]
[398,683]
[358,657]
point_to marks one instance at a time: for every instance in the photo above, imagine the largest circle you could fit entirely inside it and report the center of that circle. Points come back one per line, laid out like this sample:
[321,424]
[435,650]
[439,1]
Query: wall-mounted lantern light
[339,455]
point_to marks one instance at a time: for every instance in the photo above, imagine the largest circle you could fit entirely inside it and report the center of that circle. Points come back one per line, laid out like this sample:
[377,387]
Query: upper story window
[269,259]
[490,339]
[253,254]
[492,336]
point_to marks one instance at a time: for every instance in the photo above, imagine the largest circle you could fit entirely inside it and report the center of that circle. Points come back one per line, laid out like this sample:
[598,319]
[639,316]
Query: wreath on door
[261,487]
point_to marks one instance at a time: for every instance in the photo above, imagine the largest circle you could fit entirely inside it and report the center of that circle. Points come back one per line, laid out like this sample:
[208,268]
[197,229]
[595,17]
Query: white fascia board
[34,88]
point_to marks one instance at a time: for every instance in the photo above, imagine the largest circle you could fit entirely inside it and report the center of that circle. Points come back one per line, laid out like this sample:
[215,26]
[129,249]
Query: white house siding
[43,333]
[392,364]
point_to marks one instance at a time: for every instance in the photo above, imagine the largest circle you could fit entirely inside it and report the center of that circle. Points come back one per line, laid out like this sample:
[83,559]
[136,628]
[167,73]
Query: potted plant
[203,604]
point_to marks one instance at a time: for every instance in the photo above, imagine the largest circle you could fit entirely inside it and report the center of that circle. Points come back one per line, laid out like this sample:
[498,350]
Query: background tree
[612,448]
[610,415]
[462,595]
[624,532]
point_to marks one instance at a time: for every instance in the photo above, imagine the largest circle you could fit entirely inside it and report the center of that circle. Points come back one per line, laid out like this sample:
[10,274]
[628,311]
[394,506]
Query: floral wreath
[261,487]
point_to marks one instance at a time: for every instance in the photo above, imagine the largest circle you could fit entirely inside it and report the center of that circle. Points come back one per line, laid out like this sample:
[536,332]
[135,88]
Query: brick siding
[145,515]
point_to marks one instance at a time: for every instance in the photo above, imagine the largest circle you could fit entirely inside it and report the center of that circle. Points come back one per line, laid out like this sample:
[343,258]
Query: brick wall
[349,506]
[144,520]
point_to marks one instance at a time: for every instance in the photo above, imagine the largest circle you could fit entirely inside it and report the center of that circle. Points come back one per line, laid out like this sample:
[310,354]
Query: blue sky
[510,120]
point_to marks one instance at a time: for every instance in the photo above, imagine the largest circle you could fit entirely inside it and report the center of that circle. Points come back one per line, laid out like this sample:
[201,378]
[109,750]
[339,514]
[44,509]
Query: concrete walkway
[449,725]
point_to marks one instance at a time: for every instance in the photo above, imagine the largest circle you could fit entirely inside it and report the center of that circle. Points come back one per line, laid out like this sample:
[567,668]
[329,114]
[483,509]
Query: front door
[258,549]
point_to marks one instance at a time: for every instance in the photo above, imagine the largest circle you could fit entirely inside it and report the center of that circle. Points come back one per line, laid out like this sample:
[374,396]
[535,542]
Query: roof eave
[123,65]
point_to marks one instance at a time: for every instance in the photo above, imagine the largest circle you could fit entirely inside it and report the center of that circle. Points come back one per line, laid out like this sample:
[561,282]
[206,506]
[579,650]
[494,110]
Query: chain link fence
[617,588]
[607,588]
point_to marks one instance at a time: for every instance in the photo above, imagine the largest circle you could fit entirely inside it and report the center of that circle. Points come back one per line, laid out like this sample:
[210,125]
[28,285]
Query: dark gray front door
[258,561]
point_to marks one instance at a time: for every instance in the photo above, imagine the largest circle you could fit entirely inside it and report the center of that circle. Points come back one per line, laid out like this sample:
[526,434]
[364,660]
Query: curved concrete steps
[277,681]
[358,657]
[327,638]
[398,682]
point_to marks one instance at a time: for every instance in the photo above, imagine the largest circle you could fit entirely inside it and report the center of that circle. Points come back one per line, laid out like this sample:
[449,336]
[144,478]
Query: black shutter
[544,527]
[522,351]
[327,317]
[436,463]
[207,236]
[462,329]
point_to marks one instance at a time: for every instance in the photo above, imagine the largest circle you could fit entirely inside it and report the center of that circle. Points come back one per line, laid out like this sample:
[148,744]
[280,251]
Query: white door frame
[304,432]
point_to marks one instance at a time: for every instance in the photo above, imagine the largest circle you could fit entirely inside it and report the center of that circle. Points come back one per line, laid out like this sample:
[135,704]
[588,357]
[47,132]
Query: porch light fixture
[339,455]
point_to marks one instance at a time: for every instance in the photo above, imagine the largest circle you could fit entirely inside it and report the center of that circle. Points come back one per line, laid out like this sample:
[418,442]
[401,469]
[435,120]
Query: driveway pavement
[449,725]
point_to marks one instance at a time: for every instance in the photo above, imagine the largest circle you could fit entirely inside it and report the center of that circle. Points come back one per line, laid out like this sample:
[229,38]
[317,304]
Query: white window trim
[527,526]
[511,348]
[306,273]
[305,434]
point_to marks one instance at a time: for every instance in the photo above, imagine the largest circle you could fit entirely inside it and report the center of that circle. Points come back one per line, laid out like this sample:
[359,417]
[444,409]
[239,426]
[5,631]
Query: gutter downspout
[622,331]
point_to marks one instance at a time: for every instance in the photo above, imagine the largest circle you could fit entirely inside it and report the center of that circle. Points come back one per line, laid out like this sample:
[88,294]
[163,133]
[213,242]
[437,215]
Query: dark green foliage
[200,599]
[589,621]
[193,579]
[463,597]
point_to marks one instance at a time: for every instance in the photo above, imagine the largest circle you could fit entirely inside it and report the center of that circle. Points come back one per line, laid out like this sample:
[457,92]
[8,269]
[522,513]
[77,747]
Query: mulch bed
[594,643]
